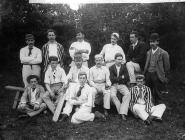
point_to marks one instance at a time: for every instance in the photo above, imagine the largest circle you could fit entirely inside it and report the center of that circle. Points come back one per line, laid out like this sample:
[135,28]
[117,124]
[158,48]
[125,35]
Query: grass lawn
[42,128]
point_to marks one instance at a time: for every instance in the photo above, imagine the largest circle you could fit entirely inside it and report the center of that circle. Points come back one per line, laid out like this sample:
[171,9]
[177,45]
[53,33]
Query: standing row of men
[100,79]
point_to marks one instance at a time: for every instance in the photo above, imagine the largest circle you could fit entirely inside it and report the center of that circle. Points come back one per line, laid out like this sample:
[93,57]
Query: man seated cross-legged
[119,78]
[31,101]
[55,78]
[141,103]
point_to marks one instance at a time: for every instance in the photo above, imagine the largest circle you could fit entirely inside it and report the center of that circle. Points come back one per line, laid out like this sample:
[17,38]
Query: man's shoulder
[24,48]
[84,67]
[112,67]
[93,67]
[162,51]
[36,48]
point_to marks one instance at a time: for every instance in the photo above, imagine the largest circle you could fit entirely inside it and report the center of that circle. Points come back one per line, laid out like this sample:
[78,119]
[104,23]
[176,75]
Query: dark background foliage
[98,21]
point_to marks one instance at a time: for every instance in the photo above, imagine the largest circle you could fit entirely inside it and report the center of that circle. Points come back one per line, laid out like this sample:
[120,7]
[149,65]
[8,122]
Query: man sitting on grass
[141,103]
[55,78]
[31,101]
[82,99]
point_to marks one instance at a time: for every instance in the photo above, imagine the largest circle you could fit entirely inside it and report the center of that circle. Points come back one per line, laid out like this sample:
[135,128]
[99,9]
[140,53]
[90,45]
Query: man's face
[53,64]
[82,79]
[133,38]
[80,36]
[140,82]
[98,62]
[78,63]
[30,42]
[51,36]
[113,40]
[154,44]
[33,82]
[119,60]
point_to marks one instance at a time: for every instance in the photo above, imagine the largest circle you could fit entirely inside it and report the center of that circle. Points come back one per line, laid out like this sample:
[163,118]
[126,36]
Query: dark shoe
[106,113]
[148,121]
[123,117]
[156,119]
[99,115]
[64,117]
[23,116]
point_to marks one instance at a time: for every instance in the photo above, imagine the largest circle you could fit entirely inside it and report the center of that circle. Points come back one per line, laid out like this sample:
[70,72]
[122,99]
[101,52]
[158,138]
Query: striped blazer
[146,92]
[45,54]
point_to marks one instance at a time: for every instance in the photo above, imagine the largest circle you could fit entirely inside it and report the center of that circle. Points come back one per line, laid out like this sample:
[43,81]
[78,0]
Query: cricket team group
[139,77]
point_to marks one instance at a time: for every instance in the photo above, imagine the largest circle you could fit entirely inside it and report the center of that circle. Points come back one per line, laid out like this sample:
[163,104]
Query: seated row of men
[82,88]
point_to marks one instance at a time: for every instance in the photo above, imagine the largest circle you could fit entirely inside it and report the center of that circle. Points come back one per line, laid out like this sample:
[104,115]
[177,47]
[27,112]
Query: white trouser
[132,68]
[82,114]
[122,108]
[157,111]
[106,95]
[68,108]
[29,70]
[68,91]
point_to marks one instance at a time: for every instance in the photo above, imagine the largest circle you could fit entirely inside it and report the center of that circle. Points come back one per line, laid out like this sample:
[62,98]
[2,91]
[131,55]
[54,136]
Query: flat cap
[29,36]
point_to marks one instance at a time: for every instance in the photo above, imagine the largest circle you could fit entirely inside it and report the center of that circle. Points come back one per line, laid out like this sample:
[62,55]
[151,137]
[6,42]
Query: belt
[31,65]
[56,84]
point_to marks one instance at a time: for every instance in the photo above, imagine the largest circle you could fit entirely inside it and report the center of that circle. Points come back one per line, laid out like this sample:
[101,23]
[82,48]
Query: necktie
[54,74]
[30,49]
[79,91]
[33,89]
[140,93]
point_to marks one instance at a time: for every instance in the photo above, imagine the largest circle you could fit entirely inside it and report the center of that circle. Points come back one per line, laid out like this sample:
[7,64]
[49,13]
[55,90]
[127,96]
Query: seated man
[141,103]
[31,101]
[55,78]
[99,80]
[119,78]
[81,98]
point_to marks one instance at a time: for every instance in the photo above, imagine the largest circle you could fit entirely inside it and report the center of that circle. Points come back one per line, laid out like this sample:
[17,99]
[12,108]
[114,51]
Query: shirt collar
[153,51]
[135,44]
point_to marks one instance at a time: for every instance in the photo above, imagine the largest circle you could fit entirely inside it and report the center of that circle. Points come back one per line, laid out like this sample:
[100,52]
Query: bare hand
[36,106]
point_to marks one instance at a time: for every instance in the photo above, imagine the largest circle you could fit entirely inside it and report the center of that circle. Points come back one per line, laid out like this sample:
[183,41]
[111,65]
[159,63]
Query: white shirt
[33,94]
[56,76]
[110,50]
[34,58]
[53,49]
[134,44]
[76,46]
[73,73]
[85,99]
[118,69]
[153,51]
[99,75]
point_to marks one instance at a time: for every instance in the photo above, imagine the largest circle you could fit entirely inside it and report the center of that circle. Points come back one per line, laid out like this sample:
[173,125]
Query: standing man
[156,68]
[55,78]
[141,103]
[135,56]
[119,78]
[80,46]
[109,50]
[30,57]
[99,80]
[31,101]
[52,48]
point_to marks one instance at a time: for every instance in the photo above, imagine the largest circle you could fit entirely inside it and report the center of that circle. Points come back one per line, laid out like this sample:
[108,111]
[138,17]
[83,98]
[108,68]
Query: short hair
[51,30]
[29,36]
[154,37]
[32,77]
[118,55]
[82,73]
[135,33]
[80,31]
[53,58]
[98,56]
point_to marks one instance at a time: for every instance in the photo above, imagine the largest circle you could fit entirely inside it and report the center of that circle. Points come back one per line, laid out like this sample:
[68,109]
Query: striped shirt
[146,95]
[45,54]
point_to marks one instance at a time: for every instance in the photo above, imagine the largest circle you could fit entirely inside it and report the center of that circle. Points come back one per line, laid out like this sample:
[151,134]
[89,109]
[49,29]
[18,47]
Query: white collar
[153,51]
[135,44]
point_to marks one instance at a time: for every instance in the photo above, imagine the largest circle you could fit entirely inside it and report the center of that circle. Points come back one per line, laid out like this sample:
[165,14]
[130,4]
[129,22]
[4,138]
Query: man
[109,50]
[52,48]
[156,68]
[99,80]
[31,101]
[81,97]
[141,103]
[119,78]
[55,78]
[135,56]
[30,57]
[80,46]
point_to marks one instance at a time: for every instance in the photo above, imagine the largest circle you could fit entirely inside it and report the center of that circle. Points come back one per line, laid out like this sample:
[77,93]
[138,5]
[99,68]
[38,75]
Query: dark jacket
[163,64]
[113,75]
[138,55]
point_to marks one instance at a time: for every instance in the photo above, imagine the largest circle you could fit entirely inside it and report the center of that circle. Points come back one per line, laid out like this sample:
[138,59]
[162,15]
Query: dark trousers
[156,86]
